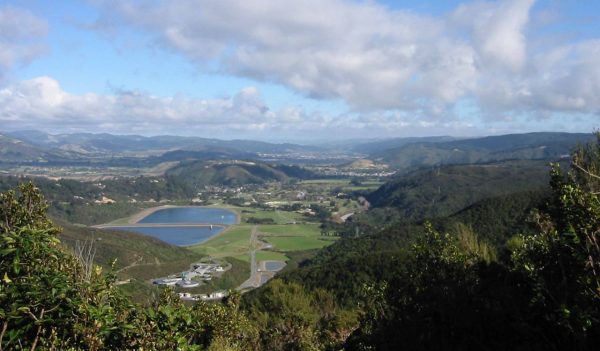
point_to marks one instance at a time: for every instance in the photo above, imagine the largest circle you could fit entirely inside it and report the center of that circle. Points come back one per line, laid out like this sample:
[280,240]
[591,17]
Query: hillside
[127,248]
[104,143]
[233,173]
[375,146]
[12,150]
[445,190]
[531,146]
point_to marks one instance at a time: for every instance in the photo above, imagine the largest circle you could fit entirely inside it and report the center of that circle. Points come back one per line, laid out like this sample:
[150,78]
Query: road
[255,245]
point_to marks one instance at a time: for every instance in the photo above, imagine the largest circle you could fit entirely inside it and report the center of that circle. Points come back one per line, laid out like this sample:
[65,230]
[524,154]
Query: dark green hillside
[137,257]
[352,262]
[127,248]
[532,146]
[346,266]
[443,191]
[497,219]
[233,173]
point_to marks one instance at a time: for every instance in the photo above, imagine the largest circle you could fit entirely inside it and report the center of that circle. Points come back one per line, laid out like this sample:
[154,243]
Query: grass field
[335,182]
[290,230]
[294,237]
[233,242]
[278,217]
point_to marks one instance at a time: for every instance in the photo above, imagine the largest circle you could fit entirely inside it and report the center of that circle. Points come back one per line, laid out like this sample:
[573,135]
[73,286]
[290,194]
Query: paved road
[255,245]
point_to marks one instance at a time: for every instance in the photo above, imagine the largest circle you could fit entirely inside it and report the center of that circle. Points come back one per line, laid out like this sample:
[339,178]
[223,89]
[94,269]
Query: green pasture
[278,217]
[334,182]
[234,242]
[290,230]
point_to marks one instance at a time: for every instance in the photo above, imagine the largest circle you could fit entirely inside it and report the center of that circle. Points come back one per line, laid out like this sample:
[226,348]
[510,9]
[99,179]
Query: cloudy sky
[306,69]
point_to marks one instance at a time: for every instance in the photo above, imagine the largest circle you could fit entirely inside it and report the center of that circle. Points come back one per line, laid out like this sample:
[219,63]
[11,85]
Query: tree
[563,259]
[51,300]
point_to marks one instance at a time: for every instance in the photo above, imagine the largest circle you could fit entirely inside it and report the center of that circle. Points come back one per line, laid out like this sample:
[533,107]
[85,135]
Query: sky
[300,70]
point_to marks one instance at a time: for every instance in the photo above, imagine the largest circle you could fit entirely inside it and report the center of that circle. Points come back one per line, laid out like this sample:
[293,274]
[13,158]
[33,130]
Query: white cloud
[378,59]
[360,52]
[497,30]
[397,70]
[20,37]
[41,101]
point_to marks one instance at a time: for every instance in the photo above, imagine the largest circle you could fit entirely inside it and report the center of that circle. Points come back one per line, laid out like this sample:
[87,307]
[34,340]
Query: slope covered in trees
[443,191]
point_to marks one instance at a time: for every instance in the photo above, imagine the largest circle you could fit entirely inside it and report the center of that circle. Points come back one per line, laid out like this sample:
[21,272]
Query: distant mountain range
[36,146]
[400,153]
[530,146]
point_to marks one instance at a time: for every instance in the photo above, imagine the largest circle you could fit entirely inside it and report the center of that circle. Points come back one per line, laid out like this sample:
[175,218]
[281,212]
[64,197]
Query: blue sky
[301,70]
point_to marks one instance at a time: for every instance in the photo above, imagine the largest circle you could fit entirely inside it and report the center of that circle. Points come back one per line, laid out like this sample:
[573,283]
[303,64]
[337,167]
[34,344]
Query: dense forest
[511,270]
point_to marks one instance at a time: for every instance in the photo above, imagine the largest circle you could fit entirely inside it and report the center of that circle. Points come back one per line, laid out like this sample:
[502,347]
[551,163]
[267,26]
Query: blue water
[274,266]
[193,215]
[180,236]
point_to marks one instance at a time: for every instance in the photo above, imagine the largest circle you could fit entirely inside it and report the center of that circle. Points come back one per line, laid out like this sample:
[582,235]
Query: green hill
[446,190]
[127,248]
[234,173]
[531,146]
[17,150]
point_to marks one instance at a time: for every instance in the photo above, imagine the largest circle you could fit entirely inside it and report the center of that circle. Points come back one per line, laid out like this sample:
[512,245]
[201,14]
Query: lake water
[183,235]
[274,266]
[180,236]
[191,215]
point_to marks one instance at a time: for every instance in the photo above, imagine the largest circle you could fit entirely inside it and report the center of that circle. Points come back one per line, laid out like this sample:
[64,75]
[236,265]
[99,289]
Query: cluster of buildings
[218,295]
[192,278]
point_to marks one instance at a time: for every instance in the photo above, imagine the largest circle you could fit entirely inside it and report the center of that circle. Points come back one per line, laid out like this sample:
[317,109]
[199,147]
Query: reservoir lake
[190,215]
[190,225]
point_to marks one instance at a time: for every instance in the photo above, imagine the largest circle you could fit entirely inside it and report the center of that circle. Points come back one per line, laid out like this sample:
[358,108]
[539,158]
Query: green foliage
[46,298]
[292,318]
[451,294]
[470,243]
[49,299]
[444,295]
[170,325]
[563,259]
[498,218]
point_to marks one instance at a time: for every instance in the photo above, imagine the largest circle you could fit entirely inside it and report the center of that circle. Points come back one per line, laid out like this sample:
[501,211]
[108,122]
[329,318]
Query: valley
[310,232]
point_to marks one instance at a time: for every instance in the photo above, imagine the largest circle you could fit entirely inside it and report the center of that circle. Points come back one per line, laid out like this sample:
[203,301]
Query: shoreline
[136,218]
[134,222]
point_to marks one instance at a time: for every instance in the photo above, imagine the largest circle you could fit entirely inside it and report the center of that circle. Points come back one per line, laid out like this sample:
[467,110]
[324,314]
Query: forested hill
[442,191]
[514,270]
[234,173]
[531,146]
